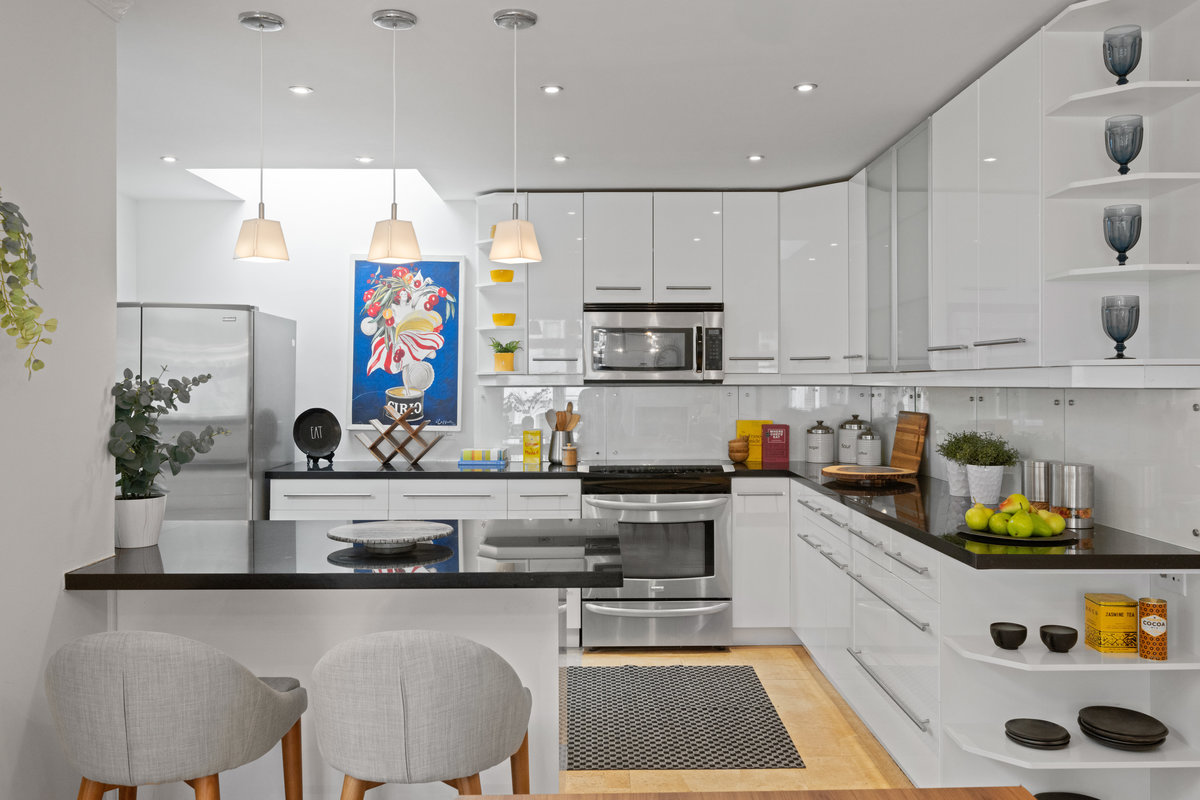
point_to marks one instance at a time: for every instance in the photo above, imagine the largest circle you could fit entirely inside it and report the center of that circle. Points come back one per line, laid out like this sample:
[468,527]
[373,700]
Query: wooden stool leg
[519,762]
[470,785]
[126,793]
[206,788]
[354,789]
[92,790]
[293,774]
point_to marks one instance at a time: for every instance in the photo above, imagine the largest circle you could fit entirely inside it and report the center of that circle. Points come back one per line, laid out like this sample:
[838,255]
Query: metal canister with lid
[820,444]
[848,433]
[1035,482]
[869,449]
[1071,493]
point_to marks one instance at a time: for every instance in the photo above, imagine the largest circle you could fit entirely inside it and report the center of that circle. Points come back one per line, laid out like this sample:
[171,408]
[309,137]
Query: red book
[775,447]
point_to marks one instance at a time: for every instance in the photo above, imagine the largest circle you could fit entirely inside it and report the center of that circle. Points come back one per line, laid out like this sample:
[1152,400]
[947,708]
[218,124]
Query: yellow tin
[1110,622]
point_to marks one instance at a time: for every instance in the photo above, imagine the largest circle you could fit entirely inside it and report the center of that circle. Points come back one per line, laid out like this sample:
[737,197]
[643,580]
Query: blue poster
[407,342]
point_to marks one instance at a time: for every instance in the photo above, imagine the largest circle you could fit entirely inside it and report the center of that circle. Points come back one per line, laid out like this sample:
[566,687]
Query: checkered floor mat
[677,717]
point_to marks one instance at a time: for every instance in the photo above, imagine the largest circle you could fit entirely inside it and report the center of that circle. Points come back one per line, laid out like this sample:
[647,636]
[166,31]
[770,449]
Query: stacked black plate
[1040,733]
[1122,728]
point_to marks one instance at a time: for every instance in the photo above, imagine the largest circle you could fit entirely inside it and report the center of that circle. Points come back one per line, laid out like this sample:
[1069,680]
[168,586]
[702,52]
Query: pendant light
[394,240]
[260,239]
[515,241]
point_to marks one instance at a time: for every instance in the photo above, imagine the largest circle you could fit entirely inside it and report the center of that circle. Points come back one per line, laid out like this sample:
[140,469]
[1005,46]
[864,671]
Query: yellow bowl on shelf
[504,320]
[501,275]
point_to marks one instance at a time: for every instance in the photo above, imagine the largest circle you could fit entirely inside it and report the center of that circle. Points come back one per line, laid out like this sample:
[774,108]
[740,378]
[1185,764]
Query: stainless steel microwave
[653,342]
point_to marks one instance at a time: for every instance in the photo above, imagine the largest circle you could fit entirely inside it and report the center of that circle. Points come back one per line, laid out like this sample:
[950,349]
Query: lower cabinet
[761,577]
[329,498]
[451,498]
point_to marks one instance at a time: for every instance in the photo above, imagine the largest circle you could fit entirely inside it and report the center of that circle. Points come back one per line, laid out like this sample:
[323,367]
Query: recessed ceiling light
[754,157]
[833,244]
[804,87]
[696,239]
[716,212]
[301,89]
[812,258]
[168,159]
[560,158]
[570,213]
[989,159]
[551,88]
[363,159]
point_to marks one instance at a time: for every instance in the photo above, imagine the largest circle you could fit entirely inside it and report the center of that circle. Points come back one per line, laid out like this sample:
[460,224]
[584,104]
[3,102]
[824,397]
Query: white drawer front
[330,498]
[870,539]
[448,499]
[915,564]
[543,499]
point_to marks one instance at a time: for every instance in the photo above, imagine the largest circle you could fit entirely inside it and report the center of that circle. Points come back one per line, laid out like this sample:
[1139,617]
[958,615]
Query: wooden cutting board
[908,445]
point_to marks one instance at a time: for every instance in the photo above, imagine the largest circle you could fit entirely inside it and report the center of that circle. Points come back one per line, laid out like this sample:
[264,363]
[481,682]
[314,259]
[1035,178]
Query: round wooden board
[870,476]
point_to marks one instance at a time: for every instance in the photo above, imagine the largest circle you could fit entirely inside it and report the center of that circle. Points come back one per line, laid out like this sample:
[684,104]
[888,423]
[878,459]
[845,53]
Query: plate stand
[388,444]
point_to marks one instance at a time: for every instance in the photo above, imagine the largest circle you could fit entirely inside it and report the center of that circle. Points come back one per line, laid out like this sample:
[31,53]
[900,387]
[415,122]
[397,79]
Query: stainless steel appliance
[653,342]
[252,358]
[673,525]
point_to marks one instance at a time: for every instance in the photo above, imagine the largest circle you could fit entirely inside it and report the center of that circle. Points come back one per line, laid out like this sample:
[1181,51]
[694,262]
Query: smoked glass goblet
[1122,228]
[1122,50]
[1119,318]
[1123,139]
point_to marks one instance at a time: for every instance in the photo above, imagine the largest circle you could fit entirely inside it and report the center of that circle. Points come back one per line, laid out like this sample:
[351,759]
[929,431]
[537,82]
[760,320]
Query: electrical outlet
[1169,582]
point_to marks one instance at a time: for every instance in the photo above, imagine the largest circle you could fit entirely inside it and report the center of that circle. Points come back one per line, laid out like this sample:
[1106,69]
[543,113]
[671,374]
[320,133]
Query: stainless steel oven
[679,342]
[676,556]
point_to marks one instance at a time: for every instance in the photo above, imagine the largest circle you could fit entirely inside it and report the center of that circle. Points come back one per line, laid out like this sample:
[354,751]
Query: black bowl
[1062,796]
[1008,635]
[1059,638]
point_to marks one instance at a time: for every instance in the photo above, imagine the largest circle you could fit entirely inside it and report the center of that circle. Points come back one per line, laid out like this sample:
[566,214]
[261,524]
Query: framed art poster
[407,341]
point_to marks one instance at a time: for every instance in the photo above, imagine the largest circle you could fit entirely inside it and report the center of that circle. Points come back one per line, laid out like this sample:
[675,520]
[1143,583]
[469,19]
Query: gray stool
[137,708]
[419,707]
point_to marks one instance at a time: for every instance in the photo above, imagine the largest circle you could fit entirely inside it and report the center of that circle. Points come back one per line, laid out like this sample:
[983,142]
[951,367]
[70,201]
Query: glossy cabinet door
[813,292]
[1010,210]
[761,553]
[856,274]
[954,244]
[750,240]
[618,247]
[911,284]
[880,243]
[687,247]
[555,285]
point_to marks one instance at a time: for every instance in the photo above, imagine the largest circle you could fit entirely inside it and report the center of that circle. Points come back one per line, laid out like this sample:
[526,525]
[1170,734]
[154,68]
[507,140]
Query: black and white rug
[676,717]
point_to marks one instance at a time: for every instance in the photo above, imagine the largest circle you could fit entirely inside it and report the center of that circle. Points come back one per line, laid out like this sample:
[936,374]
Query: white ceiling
[660,94]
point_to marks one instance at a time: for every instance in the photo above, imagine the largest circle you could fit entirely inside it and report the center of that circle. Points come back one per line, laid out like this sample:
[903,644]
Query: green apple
[998,523]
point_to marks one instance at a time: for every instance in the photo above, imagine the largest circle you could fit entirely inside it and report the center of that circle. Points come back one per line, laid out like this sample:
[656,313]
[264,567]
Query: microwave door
[643,353]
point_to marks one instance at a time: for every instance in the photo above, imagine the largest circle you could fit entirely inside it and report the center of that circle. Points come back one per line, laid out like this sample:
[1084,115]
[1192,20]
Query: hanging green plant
[19,313]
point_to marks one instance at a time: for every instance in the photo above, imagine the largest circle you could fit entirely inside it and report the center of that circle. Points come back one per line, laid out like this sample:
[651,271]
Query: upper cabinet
[618,251]
[687,247]
[880,181]
[752,302]
[555,285]
[856,273]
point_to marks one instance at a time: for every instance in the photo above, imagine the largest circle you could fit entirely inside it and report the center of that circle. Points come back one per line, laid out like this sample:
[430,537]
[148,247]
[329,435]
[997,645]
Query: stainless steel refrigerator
[252,359]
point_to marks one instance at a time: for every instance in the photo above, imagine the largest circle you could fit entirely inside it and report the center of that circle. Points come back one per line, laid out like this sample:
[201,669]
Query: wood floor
[838,750]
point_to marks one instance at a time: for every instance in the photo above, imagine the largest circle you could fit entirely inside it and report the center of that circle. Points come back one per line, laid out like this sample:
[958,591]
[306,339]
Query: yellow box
[752,430]
[532,453]
[1110,622]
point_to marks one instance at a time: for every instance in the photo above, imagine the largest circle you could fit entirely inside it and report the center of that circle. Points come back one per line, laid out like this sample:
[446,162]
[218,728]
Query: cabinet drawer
[915,564]
[448,499]
[329,499]
[543,499]
[869,539]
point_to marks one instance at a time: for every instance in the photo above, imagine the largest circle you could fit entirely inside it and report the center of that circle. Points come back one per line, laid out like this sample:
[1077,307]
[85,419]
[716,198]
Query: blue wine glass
[1122,50]
[1122,228]
[1123,139]
[1119,318]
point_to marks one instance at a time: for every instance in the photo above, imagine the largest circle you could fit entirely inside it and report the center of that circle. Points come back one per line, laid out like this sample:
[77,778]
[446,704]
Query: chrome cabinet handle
[833,519]
[917,568]
[617,611]
[564,494]
[618,288]
[923,724]
[856,355]
[829,557]
[941,347]
[448,494]
[811,542]
[866,538]
[690,288]
[634,505]
[545,358]
[808,506]
[759,494]
[924,626]
[809,358]
[750,358]
[330,494]
[993,342]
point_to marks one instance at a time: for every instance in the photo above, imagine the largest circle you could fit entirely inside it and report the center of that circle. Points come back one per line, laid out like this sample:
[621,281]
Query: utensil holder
[557,440]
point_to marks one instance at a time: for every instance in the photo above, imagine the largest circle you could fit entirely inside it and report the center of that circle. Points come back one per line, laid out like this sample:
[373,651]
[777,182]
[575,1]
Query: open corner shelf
[1129,272]
[1093,16]
[495,285]
[1036,658]
[988,740]
[1136,97]
[500,328]
[1144,185]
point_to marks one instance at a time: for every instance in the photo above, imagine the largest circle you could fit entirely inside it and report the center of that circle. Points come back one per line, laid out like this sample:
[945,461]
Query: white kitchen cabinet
[448,498]
[329,498]
[821,590]
[954,245]
[530,498]
[761,553]
[1010,210]
[856,273]
[687,247]
[911,281]
[813,289]
[750,240]
[618,247]
[555,286]
[880,243]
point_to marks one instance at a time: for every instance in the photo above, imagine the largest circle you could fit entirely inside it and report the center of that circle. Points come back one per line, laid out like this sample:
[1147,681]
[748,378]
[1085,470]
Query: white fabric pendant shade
[515,243]
[260,240]
[394,242]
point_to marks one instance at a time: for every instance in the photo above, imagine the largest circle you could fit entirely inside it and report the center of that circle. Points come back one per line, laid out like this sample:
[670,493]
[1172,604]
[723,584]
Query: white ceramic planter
[139,520]
[956,475]
[984,483]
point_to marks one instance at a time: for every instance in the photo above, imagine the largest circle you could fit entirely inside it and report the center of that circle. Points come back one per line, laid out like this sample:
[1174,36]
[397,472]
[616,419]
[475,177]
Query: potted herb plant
[986,455]
[141,455]
[953,449]
[505,353]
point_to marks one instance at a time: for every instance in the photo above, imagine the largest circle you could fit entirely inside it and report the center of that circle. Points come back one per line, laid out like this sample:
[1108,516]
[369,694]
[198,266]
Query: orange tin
[1152,628]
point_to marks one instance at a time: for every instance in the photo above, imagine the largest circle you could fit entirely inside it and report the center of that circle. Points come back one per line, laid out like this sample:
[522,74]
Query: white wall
[57,162]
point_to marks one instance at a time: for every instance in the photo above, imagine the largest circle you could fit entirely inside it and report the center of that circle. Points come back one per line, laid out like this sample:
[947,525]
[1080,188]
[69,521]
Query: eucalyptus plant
[19,313]
[134,437]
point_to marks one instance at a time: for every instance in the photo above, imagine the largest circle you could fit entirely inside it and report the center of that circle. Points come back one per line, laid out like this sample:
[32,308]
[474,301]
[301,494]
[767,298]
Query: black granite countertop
[478,554]
[424,469]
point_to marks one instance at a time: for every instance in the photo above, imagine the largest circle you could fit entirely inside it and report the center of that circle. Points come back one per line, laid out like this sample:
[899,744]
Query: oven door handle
[627,505]
[624,611]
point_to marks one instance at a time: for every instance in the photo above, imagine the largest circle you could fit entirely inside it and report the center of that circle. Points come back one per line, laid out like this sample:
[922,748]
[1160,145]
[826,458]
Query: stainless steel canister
[820,444]
[848,433]
[869,450]
[1035,482]
[1072,493]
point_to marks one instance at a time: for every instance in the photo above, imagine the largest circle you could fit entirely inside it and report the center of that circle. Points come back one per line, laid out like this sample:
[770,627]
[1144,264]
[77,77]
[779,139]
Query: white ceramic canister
[820,444]
[848,433]
[869,449]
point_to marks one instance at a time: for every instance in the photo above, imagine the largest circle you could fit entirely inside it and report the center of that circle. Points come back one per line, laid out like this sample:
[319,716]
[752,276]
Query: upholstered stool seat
[419,707]
[134,708]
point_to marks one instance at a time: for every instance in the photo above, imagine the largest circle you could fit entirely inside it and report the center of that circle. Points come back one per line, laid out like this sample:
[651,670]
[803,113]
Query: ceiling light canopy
[754,157]
[551,88]
[168,159]
[301,90]
[804,88]
[561,158]
[260,239]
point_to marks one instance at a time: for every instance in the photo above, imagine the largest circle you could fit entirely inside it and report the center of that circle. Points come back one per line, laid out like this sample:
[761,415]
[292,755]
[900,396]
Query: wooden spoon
[574,420]
[570,408]
[562,421]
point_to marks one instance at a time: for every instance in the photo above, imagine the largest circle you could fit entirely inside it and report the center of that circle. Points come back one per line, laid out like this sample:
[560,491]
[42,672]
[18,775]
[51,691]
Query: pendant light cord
[261,148]
[393,122]
[515,29]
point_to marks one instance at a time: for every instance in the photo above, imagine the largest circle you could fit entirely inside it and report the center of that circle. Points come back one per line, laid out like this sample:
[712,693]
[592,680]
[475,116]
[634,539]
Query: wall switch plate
[1174,583]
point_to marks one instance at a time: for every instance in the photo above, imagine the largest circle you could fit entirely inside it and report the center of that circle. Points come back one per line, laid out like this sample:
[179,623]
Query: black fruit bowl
[1059,638]
[1008,635]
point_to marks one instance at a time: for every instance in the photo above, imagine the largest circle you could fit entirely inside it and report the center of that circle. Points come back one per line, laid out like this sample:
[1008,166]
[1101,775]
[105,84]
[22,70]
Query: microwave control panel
[712,349]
